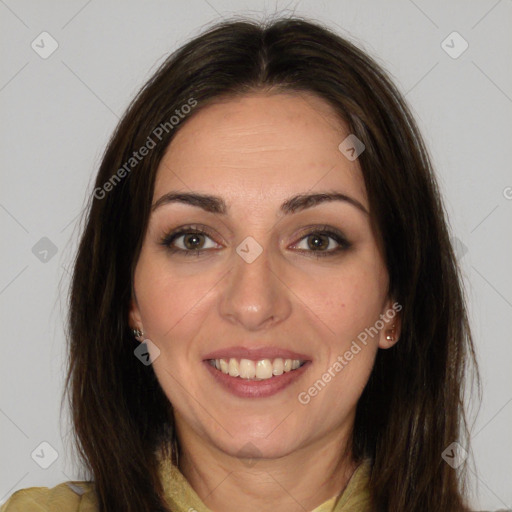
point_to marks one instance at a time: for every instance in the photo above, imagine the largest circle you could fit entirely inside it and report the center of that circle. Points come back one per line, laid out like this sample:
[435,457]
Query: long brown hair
[413,405]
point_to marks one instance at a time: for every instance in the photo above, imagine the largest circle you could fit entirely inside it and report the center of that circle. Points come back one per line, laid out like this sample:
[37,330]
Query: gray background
[57,116]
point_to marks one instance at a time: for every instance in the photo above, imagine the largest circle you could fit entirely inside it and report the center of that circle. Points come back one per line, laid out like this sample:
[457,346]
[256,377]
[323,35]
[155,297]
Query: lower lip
[245,388]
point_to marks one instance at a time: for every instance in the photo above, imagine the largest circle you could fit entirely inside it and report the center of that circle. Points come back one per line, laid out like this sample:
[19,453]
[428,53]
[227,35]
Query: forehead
[260,146]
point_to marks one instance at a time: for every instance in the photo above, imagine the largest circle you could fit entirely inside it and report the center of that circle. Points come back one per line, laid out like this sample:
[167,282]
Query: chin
[245,446]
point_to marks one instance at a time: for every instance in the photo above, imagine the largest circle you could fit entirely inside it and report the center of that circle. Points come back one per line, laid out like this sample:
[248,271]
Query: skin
[256,151]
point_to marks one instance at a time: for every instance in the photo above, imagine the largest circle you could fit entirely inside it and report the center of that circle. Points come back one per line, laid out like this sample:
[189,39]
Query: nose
[255,296]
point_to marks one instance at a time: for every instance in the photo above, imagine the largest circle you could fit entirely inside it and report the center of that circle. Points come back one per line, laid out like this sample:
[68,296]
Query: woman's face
[299,281]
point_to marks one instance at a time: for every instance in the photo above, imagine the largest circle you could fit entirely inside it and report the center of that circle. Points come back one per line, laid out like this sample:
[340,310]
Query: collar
[181,497]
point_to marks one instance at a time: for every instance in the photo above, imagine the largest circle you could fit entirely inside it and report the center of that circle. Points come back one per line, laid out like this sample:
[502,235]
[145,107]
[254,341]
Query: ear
[392,318]
[134,317]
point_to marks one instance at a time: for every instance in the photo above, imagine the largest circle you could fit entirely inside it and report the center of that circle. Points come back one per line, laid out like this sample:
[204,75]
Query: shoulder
[65,497]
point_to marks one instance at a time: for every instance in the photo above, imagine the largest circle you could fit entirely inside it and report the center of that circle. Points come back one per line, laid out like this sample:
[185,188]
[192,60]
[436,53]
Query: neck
[297,482]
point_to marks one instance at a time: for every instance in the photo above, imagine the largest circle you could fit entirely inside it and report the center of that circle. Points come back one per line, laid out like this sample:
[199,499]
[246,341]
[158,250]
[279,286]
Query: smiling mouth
[262,369]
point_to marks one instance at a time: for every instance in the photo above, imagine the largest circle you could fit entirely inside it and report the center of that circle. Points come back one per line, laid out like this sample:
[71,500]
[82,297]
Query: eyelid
[326,230]
[321,229]
[174,233]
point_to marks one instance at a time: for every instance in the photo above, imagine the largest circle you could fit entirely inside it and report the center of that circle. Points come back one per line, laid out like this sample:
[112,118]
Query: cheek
[170,301]
[350,303]
[347,300]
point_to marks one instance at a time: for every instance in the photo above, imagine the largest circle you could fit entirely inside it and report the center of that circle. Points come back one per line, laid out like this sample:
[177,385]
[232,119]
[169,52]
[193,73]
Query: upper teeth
[262,369]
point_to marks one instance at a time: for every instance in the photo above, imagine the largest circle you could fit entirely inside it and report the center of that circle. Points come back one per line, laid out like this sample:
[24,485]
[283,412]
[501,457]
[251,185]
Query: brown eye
[193,241]
[318,242]
[322,242]
[188,241]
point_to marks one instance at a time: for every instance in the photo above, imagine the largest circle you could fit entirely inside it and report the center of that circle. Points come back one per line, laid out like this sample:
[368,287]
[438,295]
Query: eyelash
[337,236]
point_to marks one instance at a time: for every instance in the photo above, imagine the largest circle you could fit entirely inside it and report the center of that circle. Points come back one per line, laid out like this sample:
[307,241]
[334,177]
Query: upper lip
[255,354]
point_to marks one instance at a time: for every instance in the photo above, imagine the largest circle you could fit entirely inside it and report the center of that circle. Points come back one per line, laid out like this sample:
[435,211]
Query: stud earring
[137,333]
[391,337]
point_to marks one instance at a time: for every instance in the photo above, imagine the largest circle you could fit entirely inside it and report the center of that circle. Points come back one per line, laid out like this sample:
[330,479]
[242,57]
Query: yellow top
[76,496]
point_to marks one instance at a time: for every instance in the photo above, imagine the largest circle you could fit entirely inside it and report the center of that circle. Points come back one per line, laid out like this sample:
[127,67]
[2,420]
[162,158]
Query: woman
[266,311]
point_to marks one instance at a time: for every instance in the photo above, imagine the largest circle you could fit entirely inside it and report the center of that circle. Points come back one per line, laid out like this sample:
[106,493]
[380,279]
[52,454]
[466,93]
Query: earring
[137,333]
[390,337]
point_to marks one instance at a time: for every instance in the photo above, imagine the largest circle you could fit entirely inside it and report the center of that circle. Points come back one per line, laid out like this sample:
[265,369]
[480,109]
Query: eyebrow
[215,204]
